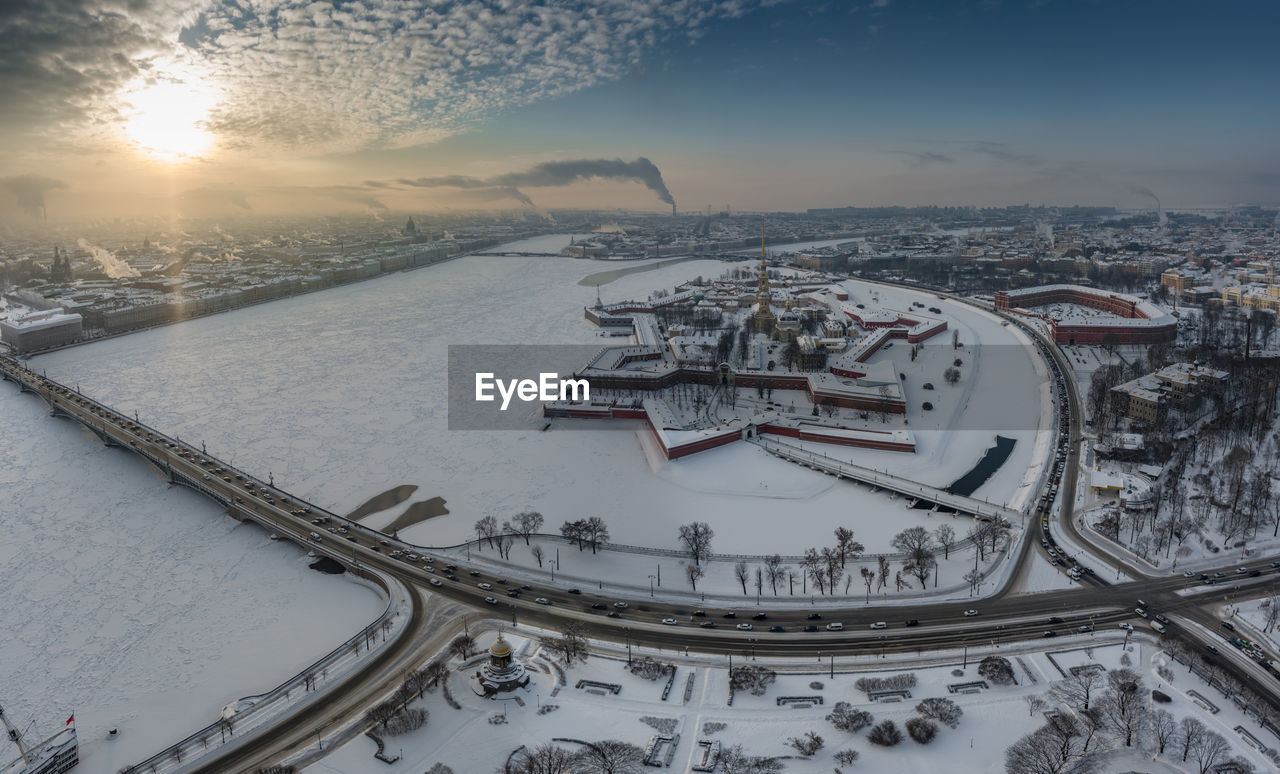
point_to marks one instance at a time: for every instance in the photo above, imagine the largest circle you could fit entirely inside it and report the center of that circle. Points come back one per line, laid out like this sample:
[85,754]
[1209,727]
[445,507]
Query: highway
[804,631]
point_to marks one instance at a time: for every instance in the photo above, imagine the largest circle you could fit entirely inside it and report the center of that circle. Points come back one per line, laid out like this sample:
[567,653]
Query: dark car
[613,614]
[1228,626]
[776,628]
[912,622]
[1254,573]
[811,628]
[1055,620]
[1051,633]
[575,591]
[708,624]
[731,614]
[759,616]
[474,573]
[700,613]
[597,606]
[815,616]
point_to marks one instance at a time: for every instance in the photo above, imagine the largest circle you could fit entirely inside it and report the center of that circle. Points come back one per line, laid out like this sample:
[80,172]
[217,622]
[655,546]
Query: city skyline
[225,109]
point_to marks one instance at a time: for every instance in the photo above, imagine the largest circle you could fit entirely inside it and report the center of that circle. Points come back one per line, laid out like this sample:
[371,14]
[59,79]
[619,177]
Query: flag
[70,720]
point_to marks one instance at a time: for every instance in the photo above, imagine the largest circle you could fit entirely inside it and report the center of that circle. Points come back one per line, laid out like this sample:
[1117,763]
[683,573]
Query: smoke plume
[1045,232]
[111,266]
[29,190]
[1142,189]
[550,174]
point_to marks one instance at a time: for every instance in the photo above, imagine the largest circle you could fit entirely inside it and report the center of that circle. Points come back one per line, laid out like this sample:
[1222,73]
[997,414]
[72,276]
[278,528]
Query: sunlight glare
[166,120]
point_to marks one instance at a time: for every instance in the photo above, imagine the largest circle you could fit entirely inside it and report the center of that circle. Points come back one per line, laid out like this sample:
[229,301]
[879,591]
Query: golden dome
[500,648]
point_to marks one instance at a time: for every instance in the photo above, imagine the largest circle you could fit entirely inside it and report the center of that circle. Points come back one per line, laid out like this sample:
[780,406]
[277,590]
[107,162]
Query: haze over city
[223,108]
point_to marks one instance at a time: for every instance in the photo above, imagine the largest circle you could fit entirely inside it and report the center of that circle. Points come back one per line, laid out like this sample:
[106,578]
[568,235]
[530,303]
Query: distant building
[41,330]
[1127,319]
[1148,398]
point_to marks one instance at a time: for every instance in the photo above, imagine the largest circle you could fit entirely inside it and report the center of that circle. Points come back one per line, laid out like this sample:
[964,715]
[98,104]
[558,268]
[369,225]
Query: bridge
[980,509]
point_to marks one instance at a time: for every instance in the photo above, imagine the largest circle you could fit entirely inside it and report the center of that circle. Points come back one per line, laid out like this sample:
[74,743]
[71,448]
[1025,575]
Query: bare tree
[1035,703]
[543,759]
[1078,689]
[946,537]
[612,757]
[1055,748]
[1210,750]
[527,523]
[537,553]
[570,645]
[917,544]
[884,569]
[868,577]
[845,718]
[595,532]
[944,711]
[694,573]
[463,646]
[1163,728]
[741,573]
[1188,735]
[1122,708]
[846,546]
[774,571]
[696,537]
[807,745]
[486,529]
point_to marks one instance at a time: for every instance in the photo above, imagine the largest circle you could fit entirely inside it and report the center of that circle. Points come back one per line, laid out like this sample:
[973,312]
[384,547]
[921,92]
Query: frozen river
[341,395]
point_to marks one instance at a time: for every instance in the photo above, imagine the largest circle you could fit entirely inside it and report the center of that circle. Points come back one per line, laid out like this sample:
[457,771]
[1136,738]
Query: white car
[1128,627]
[970,613]
[542,601]
[435,582]
[485,586]
[670,621]
[490,600]
[744,627]
[879,625]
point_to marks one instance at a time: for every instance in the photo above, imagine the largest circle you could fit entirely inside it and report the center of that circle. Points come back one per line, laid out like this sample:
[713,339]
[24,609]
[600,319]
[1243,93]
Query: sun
[165,120]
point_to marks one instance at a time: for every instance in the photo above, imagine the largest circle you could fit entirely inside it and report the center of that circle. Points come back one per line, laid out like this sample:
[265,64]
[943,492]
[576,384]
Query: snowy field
[136,605]
[341,395]
[479,736]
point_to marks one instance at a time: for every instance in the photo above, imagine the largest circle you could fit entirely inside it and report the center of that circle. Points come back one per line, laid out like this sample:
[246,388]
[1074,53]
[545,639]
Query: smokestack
[673,209]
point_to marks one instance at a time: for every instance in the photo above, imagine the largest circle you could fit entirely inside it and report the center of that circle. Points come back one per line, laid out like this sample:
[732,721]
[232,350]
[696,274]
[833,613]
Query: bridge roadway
[1005,618]
[903,486]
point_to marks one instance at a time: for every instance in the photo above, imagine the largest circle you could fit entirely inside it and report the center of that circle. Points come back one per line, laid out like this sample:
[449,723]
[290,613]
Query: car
[526,587]
[1055,619]
[759,617]
[1189,574]
[513,593]
[1160,617]
[502,581]
[1242,570]
[1085,629]
[1228,626]
[435,582]
[879,625]
[1214,650]
[708,624]
[744,627]
[485,586]
[597,606]
[352,538]
[700,613]
[1128,627]
[1140,612]
[670,621]
[575,591]
[815,616]
[776,628]
[452,577]
[620,605]
[835,626]
[811,628]
[970,613]
[1254,573]
[490,601]
[613,614]
[1275,563]
[474,573]
[1219,574]
[451,567]
[1050,633]
[542,601]
[913,622]
[730,614]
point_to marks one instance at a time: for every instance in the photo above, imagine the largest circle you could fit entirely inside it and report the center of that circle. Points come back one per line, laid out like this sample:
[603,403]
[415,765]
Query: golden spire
[762,237]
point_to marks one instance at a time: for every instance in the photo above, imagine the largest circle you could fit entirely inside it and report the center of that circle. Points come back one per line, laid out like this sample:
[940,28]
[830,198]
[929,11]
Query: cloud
[1003,152]
[922,158]
[313,78]
[29,190]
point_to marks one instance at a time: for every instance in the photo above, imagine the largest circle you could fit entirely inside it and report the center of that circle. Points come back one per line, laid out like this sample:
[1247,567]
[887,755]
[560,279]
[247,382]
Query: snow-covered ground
[340,395]
[479,736]
[136,605]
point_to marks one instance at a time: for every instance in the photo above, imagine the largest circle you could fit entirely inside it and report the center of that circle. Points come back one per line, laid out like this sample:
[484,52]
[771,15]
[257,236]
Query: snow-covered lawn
[480,736]
[136,605]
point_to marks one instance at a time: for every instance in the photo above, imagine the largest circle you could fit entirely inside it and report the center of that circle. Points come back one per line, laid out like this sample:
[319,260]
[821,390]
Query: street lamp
[651,577]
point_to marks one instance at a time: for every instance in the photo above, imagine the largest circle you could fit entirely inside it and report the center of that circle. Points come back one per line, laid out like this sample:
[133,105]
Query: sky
[208,107]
